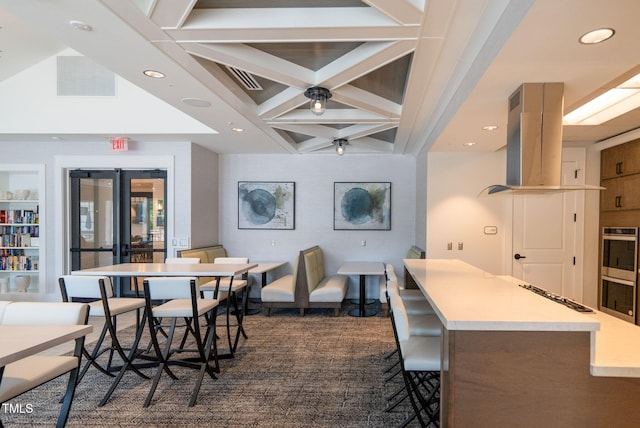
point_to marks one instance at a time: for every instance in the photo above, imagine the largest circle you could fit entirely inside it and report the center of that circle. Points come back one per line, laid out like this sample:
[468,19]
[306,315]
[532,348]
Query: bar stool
[227,290]
[182,301]
[99,291]
[420,365]
[420,324]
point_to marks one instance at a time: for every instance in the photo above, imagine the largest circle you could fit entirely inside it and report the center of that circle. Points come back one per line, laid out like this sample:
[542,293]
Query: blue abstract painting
[266,205]
[362,206]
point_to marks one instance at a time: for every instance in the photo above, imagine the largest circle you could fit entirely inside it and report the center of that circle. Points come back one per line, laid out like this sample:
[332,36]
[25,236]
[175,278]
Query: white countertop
[468,298]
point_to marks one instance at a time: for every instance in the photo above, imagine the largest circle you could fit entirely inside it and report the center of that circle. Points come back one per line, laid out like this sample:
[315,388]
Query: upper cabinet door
[621,160]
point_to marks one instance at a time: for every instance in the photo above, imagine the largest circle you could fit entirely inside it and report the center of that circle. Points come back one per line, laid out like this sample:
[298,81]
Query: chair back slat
[85,286]
[167,288]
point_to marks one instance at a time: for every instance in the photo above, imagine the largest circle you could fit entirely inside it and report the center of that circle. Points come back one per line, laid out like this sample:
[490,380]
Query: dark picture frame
[266,205]
[361,205]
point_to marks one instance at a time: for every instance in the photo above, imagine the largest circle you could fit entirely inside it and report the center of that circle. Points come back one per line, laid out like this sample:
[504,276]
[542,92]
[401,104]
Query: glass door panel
[117,216]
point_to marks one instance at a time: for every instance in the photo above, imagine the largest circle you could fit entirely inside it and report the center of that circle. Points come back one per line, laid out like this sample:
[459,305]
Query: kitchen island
[511,357]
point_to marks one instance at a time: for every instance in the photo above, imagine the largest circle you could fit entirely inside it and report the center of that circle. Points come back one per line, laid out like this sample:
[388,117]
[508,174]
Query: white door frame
[62,164]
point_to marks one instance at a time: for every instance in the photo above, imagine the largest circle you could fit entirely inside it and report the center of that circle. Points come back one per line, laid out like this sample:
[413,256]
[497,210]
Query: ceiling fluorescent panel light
[613,103]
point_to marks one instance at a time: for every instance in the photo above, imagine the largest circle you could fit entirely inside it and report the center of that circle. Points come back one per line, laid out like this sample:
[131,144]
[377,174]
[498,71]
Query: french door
[117,216]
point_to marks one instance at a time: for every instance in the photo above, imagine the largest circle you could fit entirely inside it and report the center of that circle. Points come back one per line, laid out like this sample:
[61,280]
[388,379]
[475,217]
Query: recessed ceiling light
[195,102]
[597,36]
[490,128]
[153,73]
[79,25]
[469,144]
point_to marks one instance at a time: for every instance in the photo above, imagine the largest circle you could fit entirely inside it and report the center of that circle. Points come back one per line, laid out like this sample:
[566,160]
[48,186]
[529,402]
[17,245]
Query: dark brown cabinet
[621,193]
[621,160]
[620,201]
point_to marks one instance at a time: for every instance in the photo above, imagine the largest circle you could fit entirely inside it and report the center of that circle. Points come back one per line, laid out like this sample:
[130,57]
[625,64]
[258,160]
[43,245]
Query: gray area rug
[318,370]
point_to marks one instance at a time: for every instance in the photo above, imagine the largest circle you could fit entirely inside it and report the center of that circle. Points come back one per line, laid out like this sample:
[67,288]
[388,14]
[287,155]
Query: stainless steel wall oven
[619,272]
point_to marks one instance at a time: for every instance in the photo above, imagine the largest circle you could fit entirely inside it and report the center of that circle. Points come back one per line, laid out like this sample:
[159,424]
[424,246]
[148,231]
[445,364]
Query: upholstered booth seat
[307,287]
[280,290]
[330,289]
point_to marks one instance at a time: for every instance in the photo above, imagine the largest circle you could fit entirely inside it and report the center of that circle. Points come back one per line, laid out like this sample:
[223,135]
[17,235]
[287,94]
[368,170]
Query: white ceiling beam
[314,144]
[281,103]
[240,25]
[314,17]
[362,130]
[254,61]
[361,99]
[361,61]
[308,129]
[332,116]
[401,11]
[369,145]
[171,13]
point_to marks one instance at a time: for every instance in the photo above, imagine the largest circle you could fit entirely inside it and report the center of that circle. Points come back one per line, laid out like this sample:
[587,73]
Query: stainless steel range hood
[534,141]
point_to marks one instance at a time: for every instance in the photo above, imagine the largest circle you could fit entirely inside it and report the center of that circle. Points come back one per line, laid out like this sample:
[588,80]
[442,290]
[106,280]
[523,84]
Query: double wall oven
[619,272]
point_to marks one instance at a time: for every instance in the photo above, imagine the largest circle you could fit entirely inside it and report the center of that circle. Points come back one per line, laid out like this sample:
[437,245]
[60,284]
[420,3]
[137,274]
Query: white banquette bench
[307,286]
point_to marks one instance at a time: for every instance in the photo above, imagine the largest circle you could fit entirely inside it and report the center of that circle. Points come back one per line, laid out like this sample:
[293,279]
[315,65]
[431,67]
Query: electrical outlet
[449,246]
[364,243]
[273,242]
[460,246]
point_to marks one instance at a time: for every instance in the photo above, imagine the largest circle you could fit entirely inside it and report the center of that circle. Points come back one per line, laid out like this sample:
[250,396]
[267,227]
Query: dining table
[168,269]
[362,269]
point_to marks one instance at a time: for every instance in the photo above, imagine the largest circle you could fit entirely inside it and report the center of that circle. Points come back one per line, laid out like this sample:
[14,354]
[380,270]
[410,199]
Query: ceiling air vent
[245,78]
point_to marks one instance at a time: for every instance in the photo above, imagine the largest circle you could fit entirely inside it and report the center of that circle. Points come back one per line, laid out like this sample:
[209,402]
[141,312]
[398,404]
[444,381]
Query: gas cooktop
[557,298]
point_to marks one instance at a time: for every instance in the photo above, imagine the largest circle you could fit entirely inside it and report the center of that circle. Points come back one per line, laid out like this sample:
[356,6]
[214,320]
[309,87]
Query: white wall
[456,214]
[314,176]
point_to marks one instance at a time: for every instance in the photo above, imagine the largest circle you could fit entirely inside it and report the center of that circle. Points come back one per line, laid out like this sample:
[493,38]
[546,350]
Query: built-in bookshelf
[21,243]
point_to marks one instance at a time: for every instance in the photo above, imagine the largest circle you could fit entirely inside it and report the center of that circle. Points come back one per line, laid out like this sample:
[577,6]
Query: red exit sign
[120,144]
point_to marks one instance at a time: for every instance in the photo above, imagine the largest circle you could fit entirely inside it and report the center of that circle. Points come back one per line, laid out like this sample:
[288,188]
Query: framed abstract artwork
[266,205]
[362,206]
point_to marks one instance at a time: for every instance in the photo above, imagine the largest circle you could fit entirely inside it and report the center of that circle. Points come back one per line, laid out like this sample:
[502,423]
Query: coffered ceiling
[403,74]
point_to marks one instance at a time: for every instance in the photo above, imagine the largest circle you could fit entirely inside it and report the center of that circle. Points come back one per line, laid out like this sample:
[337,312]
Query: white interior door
[544,238]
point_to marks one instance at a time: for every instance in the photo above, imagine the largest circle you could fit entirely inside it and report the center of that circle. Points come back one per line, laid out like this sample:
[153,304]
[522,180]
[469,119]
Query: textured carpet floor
[317,370]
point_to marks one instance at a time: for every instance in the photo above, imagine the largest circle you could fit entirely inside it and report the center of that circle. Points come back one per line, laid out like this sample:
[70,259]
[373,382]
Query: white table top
[361,268]
[266,267]
[168,269]
[20,341]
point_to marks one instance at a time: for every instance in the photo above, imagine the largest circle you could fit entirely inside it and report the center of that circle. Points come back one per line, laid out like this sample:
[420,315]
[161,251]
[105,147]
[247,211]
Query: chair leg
[127,362]
[162,358]
[91,357]
[71,386]
[205,351]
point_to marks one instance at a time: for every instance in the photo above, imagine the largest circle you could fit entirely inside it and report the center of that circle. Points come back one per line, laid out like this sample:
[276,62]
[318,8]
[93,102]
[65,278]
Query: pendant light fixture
[340,144]
[318,97]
